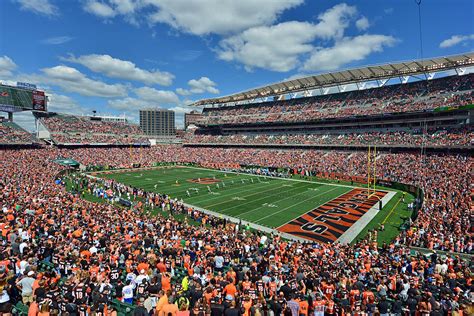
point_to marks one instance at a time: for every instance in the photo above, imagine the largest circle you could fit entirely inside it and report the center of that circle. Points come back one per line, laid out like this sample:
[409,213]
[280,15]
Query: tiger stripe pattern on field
[330,220]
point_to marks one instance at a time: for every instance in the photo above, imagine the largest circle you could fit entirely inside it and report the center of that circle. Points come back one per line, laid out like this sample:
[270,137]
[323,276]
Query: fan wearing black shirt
[383,306]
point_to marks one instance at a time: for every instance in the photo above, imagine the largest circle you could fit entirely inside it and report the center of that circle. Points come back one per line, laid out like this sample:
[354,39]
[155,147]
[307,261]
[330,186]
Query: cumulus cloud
[122,69]
[220,17]
[195,17]
[129,104]
[455,40]
[157,97]
[197,86]
[347,50]
[279,47]
[7,65]
[72,80]
[274,47]
[42,7]
[63,103]
[362,24]
[99,9]
[333,22]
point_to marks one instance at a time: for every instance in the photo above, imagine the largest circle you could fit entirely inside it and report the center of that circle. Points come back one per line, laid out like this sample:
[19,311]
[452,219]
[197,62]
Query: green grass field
[266,201]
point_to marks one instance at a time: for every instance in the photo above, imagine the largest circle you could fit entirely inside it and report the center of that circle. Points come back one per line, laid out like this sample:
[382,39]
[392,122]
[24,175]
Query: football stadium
[342,191]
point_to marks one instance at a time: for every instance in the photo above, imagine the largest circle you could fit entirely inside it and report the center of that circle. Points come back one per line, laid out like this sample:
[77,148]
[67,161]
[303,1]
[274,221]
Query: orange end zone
[329,221]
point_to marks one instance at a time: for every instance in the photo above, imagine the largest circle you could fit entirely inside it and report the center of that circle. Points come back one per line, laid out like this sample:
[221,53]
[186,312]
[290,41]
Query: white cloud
[72,80]
[157,97]
[100,9]
[195,17]
[6,66]
[270,47]
[280,47]
[347,50]
[64,104]
[122,69]
[456,39]
[201,85]
[42,7]
[333,22]
[129,104]
[182,91]
[56,40]
[218,16]
[362,24]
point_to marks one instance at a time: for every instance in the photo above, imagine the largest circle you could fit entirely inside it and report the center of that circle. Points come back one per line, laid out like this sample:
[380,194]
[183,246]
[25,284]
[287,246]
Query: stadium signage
[39,101]
[26,85]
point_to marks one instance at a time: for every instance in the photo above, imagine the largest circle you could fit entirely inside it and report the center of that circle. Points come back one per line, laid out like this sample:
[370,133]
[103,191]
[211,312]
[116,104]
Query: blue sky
[116,56]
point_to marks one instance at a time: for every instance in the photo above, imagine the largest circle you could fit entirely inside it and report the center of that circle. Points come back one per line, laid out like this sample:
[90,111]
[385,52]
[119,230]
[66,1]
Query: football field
[307,209]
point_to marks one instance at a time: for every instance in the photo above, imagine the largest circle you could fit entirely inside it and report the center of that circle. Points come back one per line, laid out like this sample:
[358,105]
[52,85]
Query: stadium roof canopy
[384,72]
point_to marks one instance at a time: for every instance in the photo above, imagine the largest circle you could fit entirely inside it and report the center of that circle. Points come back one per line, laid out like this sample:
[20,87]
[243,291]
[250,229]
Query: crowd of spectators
[454,91]
[101,252]
[68,129]
[12,134]
[435,138]
[445,179]
[87,139]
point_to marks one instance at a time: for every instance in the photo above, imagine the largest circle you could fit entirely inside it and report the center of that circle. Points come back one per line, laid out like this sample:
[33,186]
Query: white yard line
[286,179]
[266,197]
[347,237]
[236,220]
[260,192]
[229,191]
[286,208]
[315,208]
[352,232]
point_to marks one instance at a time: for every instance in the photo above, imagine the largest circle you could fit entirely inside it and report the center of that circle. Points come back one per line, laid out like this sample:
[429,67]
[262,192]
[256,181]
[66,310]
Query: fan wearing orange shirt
[230,288]
[165,282]
[328,290]
[368,297]
[304,306]
[247,305]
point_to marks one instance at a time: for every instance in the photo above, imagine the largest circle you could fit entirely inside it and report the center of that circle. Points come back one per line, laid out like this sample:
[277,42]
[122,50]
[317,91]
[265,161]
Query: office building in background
[157,122]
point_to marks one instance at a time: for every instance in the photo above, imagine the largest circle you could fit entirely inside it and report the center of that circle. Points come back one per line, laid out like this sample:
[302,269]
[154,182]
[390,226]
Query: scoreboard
[22,98]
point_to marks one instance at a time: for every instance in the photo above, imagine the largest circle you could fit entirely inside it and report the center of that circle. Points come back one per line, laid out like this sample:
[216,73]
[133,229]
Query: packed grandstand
[79,255]
[80,130]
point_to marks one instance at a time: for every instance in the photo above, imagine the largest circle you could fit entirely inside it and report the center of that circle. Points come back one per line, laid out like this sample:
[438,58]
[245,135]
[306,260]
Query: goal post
[371,170]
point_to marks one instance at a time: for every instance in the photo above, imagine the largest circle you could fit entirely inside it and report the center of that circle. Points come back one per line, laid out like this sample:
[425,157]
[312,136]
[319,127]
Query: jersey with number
[55,259]
[260,287]
[114,275]
[82,310]
[141,289]
[253,294]
[319,307]
[62,307]
[80,292]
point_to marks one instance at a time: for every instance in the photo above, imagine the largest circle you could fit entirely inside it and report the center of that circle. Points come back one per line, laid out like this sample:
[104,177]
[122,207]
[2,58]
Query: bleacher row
[69,129]
[12,134]
[436,138]
[452,91]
